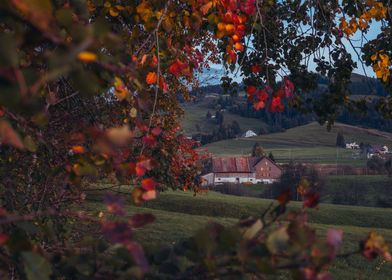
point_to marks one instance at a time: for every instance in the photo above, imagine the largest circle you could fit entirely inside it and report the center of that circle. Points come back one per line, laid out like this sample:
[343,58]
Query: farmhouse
[377,150]
[249,133]
[352,146]
[248,170]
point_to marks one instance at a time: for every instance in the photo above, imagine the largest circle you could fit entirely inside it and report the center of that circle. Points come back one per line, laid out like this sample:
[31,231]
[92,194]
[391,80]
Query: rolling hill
[310,142]
[195,114]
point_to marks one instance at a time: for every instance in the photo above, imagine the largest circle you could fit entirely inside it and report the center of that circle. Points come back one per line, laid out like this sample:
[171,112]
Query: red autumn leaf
[175,69]
[311,199]
[284,197]
[259,105]
[276,105]
[9,136]
[140,170]
[162,84]
[251,89]
[288,87]
[232,57]
[178,68]
[132,168]
[148,184]
[139,220]
[248,7]
[142,166]
[261,99]
[3,238]
[149,140]
[256,68]
[154,61]
[262,95]
[156,131]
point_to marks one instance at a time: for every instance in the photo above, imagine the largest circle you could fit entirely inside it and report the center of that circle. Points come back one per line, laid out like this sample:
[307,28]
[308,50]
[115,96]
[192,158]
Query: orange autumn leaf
[151,78]
[78,149]
[87,56]
[206,7]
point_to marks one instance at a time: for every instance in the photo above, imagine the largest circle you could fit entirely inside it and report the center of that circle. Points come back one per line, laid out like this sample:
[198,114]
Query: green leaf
[8,55]
[36,267]
[30,144]
[64,17]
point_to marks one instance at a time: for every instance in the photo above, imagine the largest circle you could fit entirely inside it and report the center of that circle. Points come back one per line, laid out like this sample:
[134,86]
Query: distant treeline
[291,117]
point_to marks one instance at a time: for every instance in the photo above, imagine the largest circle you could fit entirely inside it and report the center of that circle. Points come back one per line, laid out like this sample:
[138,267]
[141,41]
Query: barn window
[219,179]
[251,179]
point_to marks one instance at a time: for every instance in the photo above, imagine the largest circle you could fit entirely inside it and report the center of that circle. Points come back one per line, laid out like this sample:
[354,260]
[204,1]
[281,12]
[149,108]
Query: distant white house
[249,133]
[377,151]
[353,146]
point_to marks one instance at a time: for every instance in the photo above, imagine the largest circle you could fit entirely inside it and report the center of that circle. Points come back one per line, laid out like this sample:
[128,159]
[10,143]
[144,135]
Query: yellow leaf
[133,112]
[114,12]
[87,56]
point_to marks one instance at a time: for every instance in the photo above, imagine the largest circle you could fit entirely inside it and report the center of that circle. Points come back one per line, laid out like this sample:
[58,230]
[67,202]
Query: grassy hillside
[196,114]
[310,142]
[179,215]
[373,190]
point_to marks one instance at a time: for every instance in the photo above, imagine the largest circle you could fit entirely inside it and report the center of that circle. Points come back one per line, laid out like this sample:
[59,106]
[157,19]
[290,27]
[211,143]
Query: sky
[212,76]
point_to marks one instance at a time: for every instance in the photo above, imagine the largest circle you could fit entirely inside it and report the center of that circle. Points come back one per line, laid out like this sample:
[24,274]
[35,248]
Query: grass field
[310,143]
[196,114]
[180,214]
[373,190]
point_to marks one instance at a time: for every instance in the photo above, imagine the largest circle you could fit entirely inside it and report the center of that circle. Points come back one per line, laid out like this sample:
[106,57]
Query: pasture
[180,214]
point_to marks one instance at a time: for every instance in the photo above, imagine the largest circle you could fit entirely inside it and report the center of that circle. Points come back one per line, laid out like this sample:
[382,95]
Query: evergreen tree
[340,142]
[257,150]
[235,126]
[271,156]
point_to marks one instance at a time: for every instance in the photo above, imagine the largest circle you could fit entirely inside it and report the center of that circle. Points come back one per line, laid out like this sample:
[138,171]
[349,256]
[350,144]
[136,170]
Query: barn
[240,170]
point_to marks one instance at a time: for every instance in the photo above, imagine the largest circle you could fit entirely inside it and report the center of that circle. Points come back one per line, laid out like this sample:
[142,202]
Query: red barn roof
[234,164]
